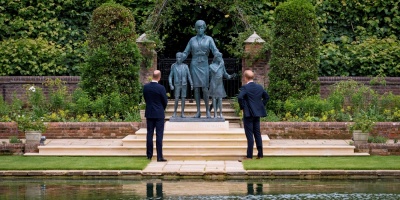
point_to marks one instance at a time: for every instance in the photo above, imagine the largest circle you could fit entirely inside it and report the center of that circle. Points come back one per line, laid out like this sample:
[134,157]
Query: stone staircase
[202,141]
[190,111]
[198,141]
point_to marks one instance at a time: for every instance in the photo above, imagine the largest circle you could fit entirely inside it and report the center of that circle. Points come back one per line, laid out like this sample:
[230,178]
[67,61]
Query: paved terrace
[209,169]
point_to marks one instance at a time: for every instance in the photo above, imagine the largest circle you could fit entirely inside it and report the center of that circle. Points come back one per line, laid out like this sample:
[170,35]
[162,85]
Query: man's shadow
[257,191]
[150,191]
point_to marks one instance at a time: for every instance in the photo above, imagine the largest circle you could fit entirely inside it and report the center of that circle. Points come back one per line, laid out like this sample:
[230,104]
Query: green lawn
[139,163]
[324,163]
[72,163]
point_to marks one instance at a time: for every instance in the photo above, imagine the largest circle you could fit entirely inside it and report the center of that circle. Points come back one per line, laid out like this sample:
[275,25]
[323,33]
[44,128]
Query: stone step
[232,133]
[231,119]
[201,153]
[132,140]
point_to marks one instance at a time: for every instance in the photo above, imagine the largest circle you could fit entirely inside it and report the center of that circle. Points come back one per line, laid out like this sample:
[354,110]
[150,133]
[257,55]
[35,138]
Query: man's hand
[172,87]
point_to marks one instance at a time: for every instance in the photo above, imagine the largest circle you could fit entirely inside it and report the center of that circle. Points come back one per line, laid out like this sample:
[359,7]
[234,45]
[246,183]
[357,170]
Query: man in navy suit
[252,100]
[156,100]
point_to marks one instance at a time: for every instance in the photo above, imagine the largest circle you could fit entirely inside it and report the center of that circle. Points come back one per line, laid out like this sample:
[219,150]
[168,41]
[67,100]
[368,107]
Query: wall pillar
[149,63]
[260,66]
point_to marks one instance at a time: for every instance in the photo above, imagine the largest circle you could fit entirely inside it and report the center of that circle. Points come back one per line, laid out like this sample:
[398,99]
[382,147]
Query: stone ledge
[259,172]
[242,175]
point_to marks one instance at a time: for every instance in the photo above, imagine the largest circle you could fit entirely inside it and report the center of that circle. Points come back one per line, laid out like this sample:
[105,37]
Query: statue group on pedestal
[200,75]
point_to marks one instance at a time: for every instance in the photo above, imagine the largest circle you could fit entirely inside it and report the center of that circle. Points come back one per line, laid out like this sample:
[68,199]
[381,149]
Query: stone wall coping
[37,79]
[366,80]
[249,174]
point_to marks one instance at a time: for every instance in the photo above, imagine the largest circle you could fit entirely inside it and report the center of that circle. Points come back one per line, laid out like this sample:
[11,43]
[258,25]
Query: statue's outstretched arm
[186,52]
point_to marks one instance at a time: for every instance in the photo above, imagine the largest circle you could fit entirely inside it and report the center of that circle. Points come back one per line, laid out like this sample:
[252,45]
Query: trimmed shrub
[113,58]
[369,57]
[295,55]
[30,57]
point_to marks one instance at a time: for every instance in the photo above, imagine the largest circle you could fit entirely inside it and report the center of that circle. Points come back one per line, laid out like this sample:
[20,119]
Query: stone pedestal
[33,137]
[360,137]
[194,126]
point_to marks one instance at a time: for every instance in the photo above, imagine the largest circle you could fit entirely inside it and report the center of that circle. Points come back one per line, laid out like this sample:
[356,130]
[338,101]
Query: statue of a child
[179,75]
[216,90]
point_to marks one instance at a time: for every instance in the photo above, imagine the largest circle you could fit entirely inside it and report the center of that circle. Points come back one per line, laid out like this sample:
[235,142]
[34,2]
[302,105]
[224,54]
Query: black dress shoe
[161,160]
[245,158]
[149,158]
[259,157]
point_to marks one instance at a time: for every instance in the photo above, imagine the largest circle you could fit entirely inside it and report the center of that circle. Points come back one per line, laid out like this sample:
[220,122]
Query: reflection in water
[72,188]
[250,188]
[150,190]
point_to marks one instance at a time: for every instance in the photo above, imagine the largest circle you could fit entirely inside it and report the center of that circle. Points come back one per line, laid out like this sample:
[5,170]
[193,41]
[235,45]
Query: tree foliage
[65,24]
[113,58]
[369,57]
[174,23]
[30,57]
[295,56]
[360,37]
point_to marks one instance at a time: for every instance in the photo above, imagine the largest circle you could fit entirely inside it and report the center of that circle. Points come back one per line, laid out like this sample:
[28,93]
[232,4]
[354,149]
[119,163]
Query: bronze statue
[217,90]
[180,75]
[200,46]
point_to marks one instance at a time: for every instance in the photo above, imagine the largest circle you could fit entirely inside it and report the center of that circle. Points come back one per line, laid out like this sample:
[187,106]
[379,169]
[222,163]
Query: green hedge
[113,58]
[65,23]
[31,57]
[370,57]
[62,23]
[295,55]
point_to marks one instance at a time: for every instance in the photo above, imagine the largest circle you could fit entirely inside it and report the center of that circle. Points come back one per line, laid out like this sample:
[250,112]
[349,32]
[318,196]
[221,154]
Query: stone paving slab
[309,142]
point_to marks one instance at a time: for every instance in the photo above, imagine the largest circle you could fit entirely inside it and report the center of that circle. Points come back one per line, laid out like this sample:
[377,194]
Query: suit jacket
[252,100]
[180,75]
[156,100]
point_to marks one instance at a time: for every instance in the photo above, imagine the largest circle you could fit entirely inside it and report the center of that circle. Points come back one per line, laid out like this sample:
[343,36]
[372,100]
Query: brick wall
[10,85]
[323,130]
[379,149]
[391,84]
[14,149]
[150,56]
[275,130]
[65,130]
[260,67]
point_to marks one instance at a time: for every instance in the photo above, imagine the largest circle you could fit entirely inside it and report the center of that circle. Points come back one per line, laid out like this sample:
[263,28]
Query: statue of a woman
[200,46]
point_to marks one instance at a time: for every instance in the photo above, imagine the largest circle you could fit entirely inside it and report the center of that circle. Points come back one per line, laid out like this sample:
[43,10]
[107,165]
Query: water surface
[70,188]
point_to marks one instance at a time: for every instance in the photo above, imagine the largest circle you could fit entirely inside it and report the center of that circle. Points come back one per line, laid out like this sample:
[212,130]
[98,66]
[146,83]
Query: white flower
[32,88]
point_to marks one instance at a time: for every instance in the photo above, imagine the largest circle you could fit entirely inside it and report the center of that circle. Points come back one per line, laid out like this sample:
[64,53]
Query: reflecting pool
[73,188]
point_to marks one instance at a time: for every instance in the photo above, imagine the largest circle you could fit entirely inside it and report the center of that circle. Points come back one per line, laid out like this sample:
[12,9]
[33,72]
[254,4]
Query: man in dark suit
[156,100]
[252,100]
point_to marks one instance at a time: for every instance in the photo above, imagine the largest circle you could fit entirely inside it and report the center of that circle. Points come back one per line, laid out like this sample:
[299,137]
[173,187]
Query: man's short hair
[156,74]
[249,74]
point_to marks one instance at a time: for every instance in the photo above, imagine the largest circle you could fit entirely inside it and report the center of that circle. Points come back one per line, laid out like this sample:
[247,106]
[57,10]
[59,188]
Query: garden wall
[10,85]
[275,130]
[380,85]
[15,84]
[379,149]
[323,130]
[77,130]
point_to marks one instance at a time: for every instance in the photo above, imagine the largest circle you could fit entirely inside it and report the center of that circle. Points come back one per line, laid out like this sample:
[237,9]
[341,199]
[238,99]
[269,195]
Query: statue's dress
[200,48]
[217,73]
